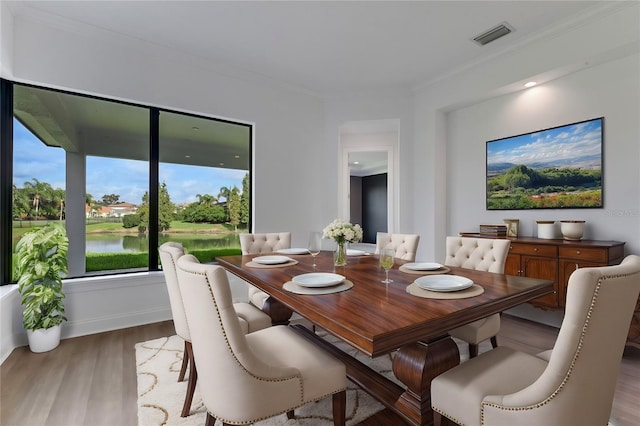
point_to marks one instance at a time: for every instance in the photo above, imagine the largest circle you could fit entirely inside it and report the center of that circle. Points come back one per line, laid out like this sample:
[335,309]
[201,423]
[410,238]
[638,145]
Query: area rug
[160,395]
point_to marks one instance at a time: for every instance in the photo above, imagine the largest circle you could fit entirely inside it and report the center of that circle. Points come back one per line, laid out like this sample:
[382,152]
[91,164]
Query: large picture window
[124,178]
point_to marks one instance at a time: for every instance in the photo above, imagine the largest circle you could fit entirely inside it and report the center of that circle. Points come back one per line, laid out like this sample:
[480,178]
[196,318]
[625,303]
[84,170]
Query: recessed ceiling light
[356,162]
[530,84]
[236,156]
[195,128]
[221,164]
[187,156]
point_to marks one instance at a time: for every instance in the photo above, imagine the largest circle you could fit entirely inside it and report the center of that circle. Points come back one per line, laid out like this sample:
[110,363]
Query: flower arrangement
[343,232]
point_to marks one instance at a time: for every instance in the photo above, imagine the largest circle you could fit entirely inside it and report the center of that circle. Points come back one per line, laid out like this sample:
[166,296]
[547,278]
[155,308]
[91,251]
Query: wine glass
[386,262]
[315,244]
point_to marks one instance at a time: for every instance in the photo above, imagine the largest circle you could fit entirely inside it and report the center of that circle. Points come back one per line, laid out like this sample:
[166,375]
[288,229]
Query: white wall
[589,68]
[289,130]
[610,90]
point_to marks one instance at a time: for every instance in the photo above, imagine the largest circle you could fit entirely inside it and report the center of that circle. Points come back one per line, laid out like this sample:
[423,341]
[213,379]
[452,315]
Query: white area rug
[160,395]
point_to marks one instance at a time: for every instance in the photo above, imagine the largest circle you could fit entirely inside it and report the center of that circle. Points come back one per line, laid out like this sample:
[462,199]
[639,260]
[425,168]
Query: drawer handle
[578,252]
[535,249]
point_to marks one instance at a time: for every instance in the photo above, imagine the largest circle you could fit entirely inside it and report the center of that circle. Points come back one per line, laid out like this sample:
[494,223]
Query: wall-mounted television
[556,168]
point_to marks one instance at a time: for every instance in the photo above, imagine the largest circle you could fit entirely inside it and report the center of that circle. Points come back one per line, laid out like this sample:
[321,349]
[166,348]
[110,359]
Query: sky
[127,178]
[560,143]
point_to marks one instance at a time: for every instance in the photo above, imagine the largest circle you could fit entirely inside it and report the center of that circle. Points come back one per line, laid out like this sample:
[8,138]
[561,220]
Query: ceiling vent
[493,34]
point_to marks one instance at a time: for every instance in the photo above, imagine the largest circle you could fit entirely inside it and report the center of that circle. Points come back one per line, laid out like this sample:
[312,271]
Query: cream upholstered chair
[249,317]
[573,384]
[263,243]
[405,245]
[247,378]
[484,255]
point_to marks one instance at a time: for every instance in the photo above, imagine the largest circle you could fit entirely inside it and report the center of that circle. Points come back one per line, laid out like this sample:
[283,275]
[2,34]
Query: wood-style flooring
[91,380]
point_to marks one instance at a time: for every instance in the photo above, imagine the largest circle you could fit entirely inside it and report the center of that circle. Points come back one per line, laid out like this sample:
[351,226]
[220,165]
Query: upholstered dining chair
[249,318]
[247,378]
[405,245]
[263,243]
[573,384]
[481,254]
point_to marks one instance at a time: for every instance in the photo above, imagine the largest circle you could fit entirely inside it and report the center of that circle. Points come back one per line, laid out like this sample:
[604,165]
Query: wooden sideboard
[555,260]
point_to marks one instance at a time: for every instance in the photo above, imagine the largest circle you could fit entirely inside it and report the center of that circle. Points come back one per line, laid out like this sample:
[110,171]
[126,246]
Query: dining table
[397,318]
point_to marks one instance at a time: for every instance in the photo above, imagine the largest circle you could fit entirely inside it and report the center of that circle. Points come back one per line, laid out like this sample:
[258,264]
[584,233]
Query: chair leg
[185,361]
[291,415]
[437,419]
[473,350]
[211,421]
[339,408]
[191,384]
[494,342]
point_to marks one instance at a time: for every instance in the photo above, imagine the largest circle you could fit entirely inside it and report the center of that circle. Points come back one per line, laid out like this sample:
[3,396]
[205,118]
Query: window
[90,161]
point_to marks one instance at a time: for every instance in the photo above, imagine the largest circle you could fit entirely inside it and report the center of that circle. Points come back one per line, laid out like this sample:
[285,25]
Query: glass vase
[340,255]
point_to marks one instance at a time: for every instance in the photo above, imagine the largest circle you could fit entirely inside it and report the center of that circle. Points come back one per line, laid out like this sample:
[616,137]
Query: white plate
[423,266]
[318,279]
[293,251]
[271,260]
[443,282]
[353,252]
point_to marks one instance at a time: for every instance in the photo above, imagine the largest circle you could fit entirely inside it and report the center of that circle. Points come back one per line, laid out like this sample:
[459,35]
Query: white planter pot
[572,229]
[44,340]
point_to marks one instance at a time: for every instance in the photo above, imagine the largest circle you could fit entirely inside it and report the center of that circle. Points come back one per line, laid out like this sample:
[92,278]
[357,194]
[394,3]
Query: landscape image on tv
[554,168]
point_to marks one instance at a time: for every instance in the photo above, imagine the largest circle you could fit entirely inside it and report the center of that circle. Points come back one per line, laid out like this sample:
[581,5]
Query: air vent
[493,34]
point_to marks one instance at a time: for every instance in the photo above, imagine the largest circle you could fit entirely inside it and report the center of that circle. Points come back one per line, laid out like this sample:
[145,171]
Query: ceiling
[323,47]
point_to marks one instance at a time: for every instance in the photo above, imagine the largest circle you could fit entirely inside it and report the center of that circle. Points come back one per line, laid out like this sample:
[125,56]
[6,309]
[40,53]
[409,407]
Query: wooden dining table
[379,319]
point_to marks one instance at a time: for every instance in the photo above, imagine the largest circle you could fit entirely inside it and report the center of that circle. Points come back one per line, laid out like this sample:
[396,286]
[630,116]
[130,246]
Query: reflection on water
[117,243]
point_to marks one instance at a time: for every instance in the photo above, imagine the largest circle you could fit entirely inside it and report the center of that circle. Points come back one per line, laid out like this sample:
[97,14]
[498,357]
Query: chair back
[229,371]
[264,243]
[405,245]
[481,254]
[578,384]
[169,253]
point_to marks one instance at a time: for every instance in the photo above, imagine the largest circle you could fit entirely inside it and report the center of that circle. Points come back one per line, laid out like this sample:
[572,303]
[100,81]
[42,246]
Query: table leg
[416,365]
[279,313]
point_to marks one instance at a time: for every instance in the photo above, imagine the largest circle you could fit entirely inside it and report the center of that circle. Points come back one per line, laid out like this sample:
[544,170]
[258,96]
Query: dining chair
[572,384]
[405,245]
[249,318]
[482,254]
[264,243]
[248,378]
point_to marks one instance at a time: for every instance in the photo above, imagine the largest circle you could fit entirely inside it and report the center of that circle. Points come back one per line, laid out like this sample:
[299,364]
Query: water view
[118,243]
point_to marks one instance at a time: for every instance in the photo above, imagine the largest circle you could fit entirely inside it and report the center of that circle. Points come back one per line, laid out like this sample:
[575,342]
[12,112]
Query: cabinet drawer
[534,249]
[584,253]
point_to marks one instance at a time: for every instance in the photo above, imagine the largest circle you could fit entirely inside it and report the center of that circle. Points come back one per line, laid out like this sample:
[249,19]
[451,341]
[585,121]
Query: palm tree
[39,192]
[207,200]
[224,193]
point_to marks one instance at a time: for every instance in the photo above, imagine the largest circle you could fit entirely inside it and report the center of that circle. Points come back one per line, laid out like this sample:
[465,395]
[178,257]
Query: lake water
[117,243]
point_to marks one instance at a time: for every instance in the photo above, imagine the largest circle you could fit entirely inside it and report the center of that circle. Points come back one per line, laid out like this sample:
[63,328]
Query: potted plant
[42,257]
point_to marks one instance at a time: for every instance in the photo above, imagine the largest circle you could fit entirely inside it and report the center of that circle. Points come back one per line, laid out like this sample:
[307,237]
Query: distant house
[113,210]
[122,209]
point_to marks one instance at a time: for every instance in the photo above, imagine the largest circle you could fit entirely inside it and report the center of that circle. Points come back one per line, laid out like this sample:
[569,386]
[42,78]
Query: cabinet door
[544,268]
[512,265]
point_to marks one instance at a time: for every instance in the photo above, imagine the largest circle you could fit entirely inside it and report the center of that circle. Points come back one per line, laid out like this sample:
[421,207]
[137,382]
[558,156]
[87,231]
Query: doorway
[368,183]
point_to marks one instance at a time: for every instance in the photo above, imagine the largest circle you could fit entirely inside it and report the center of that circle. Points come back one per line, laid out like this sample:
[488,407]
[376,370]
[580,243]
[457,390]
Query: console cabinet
[556,260]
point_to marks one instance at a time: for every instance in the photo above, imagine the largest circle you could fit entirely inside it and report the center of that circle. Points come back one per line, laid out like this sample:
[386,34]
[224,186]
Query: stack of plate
[423,266]
[443,283]
[293,251]
[271,260]
[318,279]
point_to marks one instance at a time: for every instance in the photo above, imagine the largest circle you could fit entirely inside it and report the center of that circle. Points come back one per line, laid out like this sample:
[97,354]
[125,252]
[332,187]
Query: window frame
[6,172]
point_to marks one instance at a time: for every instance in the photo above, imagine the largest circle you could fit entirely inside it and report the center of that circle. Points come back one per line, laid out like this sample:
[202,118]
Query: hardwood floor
[91,380]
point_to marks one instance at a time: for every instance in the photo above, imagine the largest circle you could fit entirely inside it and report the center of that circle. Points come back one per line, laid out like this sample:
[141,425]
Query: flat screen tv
[556,168]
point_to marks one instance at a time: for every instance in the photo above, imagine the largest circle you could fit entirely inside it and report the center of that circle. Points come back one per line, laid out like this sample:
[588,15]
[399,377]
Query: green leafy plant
[42,257]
